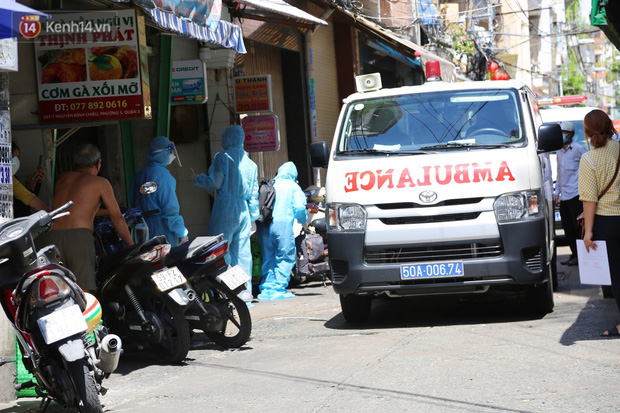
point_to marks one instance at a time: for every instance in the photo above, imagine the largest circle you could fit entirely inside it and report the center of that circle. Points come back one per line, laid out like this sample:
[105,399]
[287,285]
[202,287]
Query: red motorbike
[57,325]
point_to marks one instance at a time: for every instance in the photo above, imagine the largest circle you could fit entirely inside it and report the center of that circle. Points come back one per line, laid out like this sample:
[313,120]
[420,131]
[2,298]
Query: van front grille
[430,219]
[443,252]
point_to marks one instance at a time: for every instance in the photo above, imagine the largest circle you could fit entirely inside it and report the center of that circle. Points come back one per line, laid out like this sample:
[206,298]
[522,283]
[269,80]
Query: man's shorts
[77,252]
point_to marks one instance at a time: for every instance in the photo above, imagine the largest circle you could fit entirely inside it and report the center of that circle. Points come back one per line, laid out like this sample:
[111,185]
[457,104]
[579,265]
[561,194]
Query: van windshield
[430,122]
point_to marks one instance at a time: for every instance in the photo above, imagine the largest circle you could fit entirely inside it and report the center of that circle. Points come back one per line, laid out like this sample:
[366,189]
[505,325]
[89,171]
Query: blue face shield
[173,153]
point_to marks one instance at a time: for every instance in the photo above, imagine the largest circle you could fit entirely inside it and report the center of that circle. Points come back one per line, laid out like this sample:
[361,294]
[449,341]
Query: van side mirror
[319,154]
[549,137]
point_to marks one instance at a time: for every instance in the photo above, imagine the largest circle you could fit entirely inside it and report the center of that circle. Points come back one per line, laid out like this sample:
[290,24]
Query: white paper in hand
[593,265]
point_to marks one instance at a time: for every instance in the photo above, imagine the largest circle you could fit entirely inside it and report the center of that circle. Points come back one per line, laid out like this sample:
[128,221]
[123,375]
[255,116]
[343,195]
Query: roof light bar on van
[562,100]
[433,71]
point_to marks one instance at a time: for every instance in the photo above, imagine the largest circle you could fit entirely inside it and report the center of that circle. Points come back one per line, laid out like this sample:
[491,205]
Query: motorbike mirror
[148,187]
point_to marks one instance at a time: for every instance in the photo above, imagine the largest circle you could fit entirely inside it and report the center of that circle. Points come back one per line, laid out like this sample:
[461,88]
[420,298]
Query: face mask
[172,158]
[564,139]
[15,164]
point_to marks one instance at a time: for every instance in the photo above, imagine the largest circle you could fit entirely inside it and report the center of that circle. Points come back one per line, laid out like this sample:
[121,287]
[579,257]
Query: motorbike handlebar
[151,212]
[57,213]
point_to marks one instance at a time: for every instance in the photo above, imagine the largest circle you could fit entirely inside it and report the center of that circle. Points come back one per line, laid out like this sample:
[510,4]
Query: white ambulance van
[442,188]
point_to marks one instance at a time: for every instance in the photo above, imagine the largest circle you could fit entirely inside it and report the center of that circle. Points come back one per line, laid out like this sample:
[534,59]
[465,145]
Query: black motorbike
[218,307]
[220,310]
[143,299]
[68,357]
[311,259]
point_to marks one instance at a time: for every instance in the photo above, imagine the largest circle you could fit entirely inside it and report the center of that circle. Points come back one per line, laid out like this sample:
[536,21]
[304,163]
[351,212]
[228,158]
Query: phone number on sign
[109,104]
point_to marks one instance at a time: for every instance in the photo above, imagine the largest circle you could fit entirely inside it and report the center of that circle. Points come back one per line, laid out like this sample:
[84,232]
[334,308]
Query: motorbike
[311,241]
[220,310]
[218,305]
[143,298]
[63,345]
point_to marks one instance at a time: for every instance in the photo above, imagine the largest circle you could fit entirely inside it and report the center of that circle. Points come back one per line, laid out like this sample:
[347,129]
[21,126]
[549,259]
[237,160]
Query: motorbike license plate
[168,278]
[62,324]
[234,277]
[431,270]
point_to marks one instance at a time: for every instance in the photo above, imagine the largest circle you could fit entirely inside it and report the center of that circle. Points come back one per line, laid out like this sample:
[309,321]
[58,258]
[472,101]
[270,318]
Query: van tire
[355,308]
[554,268]
[540,297]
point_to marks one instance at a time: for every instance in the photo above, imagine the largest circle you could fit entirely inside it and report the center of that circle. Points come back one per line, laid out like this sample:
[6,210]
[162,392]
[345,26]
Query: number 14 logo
[30,26]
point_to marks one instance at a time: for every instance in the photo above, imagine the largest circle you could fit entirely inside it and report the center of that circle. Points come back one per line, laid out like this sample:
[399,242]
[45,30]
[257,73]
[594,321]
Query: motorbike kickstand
[44,404]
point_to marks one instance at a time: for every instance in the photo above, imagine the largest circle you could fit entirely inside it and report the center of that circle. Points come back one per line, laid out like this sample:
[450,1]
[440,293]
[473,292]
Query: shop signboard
[92,66]
[8,55]
[262,133]
[188,83]
[253,94]
[6,173]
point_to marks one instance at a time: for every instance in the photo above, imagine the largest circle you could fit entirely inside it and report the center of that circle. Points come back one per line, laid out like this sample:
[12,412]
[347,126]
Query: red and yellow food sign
[92,66]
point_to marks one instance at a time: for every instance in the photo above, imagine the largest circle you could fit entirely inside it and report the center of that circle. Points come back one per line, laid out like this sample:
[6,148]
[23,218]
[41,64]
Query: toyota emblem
[428,196]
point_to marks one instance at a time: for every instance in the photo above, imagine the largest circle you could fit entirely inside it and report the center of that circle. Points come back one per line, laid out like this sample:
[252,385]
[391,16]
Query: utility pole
[554,85]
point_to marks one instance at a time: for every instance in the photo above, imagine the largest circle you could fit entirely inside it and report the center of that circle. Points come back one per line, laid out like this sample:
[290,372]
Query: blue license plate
[433,270]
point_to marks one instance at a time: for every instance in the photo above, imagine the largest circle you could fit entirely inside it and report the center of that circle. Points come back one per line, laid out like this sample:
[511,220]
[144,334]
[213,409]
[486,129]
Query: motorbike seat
[110,262]
[192,248]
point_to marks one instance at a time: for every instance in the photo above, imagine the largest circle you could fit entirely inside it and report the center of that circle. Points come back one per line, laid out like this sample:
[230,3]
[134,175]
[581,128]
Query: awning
[394,54]
[275,10]
[406,47]
[606,16]
[11,13]
[227,34]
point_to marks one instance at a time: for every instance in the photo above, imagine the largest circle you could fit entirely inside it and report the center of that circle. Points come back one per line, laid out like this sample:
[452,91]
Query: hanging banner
[93,66]
[253,94]
[188,84]
[262,133]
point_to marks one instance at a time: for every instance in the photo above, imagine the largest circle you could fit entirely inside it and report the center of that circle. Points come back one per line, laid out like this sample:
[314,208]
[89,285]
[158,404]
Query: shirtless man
[73,234]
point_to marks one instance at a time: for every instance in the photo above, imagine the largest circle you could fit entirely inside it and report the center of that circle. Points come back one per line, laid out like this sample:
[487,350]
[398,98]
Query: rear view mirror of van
[549,137]
[319,154]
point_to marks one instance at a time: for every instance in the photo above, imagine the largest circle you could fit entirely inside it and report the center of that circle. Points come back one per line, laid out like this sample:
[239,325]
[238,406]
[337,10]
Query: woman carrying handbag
[599,190]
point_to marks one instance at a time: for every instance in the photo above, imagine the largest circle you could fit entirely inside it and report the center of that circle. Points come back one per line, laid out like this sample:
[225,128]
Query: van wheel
[554,268]
[355,308]
[540,297]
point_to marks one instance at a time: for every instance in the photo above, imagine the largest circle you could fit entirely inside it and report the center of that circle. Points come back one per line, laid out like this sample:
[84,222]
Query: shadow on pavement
[596,316]
[429,311]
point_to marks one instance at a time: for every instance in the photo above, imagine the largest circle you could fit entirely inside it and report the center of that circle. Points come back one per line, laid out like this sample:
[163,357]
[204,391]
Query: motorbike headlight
[347,217]
[517,206]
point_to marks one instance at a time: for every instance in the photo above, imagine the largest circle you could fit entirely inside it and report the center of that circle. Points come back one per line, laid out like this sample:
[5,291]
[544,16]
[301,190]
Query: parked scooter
[220,311]
[311,241]
[68,357]
[143,299]
[218,307]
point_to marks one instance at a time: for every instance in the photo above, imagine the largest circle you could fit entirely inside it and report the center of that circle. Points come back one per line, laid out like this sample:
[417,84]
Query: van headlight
[346,217]
[517,206]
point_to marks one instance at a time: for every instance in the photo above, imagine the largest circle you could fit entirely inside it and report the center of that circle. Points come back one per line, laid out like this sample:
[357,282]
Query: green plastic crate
[23,375]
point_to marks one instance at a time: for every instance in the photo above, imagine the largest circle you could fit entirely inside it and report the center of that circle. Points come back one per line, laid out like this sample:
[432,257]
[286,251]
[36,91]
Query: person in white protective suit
[234,177]
[278,238]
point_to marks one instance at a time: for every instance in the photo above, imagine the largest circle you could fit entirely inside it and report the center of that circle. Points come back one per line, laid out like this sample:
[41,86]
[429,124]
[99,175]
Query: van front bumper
[518,257]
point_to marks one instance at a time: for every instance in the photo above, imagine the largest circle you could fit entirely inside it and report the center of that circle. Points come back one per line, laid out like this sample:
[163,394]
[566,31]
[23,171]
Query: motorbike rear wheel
[236,320]
[174,346]
[87,397]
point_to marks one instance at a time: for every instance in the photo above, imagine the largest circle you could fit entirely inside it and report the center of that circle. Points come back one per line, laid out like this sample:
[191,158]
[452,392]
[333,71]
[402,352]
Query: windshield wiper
[453,145]
[379,151]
